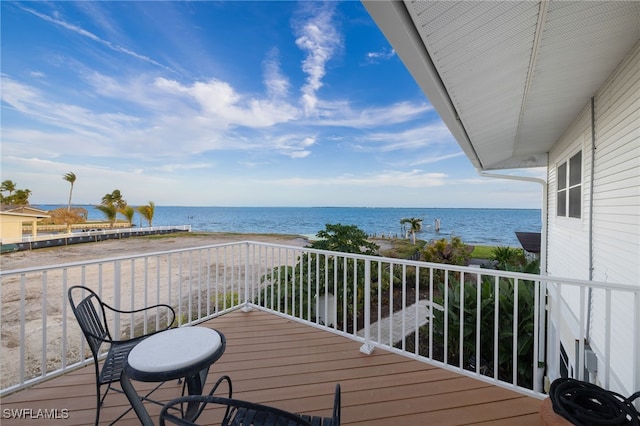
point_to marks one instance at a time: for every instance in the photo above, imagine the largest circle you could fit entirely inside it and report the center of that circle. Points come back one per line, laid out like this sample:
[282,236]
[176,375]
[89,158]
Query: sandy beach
[173,279]
[137,245]
[47,321]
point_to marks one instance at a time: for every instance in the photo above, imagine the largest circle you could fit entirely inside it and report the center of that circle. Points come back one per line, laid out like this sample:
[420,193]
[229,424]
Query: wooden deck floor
[295,367]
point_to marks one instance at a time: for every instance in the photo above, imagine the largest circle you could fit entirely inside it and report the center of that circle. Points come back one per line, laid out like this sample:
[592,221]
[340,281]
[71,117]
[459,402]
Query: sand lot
[136,245]
[147,281]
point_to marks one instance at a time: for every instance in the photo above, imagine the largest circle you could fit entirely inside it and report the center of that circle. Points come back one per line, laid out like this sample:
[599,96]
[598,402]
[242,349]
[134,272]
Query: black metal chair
[234,412]
[91,313]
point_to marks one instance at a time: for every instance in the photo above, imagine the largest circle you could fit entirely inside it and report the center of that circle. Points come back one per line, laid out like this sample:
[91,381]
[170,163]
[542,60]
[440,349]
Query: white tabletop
[174,349]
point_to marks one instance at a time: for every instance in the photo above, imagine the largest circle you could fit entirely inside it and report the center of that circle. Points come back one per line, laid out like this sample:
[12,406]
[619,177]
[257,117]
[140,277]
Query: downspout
[538,384]
[593,166]
[543,234]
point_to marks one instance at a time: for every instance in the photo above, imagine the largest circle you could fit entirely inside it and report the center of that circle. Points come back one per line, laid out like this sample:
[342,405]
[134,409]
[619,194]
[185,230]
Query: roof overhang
[509,77]
[25,215]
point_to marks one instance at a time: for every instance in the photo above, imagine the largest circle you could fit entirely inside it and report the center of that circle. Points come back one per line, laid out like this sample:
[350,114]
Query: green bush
[514,260]
[345,239]
[507,258]
[506,300]
[222,301]
[288,288]
[453,252]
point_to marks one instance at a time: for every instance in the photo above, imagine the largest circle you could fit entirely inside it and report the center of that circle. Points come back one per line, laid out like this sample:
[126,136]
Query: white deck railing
[88,234]
[382,302]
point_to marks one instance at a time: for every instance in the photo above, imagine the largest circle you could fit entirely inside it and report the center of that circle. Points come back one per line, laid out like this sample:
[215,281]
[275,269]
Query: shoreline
[484,226]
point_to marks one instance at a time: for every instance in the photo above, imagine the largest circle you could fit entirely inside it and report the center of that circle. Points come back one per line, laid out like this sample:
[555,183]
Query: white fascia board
[396,24]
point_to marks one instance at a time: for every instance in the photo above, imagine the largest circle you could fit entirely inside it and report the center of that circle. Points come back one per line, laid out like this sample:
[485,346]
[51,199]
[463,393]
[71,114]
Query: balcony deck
[293,366]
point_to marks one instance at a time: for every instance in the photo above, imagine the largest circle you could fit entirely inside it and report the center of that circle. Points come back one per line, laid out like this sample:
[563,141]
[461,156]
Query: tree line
[15,196]
[111,205]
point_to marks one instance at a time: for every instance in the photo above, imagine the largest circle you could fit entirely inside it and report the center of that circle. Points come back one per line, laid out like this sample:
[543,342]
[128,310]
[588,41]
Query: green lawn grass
[404,249]
[482,252]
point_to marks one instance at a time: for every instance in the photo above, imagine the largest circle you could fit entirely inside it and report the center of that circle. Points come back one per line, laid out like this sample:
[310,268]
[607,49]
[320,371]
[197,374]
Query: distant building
[11,225]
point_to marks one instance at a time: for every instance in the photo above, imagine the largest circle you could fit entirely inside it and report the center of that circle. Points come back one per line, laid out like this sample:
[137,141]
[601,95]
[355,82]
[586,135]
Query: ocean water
[473,226]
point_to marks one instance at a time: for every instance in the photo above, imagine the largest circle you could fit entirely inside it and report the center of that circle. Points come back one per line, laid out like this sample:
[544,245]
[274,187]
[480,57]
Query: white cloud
[435,158]
[200,117]
[291,145]
[176,167]
[79,120]
[382,55]
[277,84]
[87,34]
[319,39]
[341,113]
[388,178]
[413,138]
[18,95]
[220,103]
[146,118]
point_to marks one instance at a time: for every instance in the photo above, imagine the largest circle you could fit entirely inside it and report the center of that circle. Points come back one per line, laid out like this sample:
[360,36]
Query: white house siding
[568,238]
[616,195]
[616,216]
[616,207]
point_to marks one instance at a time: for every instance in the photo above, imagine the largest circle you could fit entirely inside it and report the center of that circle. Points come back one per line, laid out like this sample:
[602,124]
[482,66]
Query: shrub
[514,260]
[453,252]
[222,301]
[468,304]
[507,257]
[314,274]
[345,239]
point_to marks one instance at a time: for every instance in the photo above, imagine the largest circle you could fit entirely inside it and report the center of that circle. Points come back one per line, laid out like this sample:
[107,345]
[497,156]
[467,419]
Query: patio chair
[91,313]
[244,413]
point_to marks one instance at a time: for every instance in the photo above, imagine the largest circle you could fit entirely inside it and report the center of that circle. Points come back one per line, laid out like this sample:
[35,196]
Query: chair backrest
[334,420]
[240,412]
[92,321]
[237,412]
[337,402]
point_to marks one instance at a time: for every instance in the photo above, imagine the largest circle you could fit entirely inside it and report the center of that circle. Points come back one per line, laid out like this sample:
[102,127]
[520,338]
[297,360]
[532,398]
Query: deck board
[295,367]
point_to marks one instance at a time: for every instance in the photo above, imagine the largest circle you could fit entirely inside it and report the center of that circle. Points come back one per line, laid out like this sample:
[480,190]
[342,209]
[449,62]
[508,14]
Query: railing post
[246,307]
[23,292]
[541,322]
[116,297]
[636,345]
[367,347]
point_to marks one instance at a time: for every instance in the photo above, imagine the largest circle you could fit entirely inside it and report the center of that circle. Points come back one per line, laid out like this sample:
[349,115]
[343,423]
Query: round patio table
[172,354]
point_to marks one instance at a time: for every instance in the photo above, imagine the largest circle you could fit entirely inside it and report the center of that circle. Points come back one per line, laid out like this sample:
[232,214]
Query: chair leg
[98,403]
[142,399]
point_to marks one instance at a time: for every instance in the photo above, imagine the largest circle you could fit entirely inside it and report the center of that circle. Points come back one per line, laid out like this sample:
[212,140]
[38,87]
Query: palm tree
[110,212]
[147,212]
[71,178]
[21,197]
[8,186]
[416,226]
[114,199]
[128,212]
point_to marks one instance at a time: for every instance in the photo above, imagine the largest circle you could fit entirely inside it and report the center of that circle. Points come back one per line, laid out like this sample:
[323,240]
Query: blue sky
[224,104]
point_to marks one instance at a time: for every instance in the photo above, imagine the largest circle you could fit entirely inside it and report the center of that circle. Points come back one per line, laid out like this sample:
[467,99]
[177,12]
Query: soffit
[516,73]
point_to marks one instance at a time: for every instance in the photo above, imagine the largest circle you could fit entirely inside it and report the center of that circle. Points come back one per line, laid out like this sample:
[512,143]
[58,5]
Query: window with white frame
[569,196]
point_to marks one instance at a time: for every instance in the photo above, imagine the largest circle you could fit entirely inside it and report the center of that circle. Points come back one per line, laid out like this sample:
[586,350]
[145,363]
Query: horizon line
[298,207]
